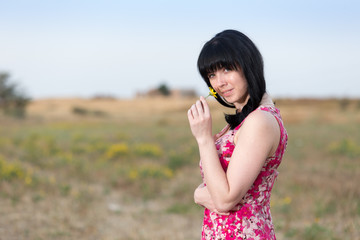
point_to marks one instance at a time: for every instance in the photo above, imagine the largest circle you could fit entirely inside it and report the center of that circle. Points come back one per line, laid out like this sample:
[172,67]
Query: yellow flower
[133,174]
[117,150]
[212,93]
[287,200]
[148,149]
[28,180]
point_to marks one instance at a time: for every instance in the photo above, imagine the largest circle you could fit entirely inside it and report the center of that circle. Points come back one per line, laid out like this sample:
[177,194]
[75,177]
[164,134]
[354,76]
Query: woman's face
[231,85]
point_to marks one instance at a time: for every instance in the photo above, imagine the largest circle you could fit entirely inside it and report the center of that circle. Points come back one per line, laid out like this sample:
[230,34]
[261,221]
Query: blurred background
[94,139]
[84,48]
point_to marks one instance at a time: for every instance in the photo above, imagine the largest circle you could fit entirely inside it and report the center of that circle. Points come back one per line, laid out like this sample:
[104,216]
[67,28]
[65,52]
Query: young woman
[238,165]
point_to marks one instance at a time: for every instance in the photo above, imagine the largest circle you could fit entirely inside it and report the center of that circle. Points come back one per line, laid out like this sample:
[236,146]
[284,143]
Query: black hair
[233,50]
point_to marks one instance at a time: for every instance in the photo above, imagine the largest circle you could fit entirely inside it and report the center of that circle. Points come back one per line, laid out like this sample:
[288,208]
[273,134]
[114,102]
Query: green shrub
[117,150]
[13,101]
[148,150]
[346,147]
[13,171]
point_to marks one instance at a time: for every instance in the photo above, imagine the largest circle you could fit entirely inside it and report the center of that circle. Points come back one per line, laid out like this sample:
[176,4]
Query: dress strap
[222,132]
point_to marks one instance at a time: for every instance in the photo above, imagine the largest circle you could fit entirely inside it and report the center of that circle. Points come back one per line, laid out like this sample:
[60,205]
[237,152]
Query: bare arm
[257,139]
[203,198]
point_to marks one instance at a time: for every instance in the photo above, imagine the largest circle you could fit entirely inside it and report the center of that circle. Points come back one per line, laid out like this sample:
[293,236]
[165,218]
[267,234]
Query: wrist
[205,140]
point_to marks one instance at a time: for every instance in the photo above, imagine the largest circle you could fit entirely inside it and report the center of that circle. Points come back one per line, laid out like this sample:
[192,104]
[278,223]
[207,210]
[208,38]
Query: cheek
[243,84]
[216,88]
[214,85]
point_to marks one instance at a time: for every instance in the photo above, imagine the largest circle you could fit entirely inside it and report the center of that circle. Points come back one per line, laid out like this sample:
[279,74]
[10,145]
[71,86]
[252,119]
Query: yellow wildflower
[287,200]
[28,180]
[117,150]
[212,93]
[133,174]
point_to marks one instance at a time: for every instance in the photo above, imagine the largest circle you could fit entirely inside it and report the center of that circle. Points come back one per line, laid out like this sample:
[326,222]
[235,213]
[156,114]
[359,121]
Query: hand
[200,120]
[203,198]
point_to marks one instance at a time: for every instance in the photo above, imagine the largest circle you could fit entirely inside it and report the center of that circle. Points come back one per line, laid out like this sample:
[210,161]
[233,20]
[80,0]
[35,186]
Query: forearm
[203,198]
[215,177]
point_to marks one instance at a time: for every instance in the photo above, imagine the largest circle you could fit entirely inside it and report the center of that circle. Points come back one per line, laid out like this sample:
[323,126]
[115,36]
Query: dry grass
[126,169]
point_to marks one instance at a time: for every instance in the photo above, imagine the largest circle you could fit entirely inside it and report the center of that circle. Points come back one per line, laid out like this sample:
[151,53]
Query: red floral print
[253,219]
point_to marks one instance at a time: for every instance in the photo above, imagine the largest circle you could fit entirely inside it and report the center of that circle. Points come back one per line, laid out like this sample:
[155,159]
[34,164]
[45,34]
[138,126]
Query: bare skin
[256,140]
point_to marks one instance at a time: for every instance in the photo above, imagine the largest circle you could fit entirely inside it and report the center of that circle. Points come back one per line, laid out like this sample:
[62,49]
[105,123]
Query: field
[126,169]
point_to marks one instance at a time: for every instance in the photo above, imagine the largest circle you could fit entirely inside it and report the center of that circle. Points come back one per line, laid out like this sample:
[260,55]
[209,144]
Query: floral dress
[253,219]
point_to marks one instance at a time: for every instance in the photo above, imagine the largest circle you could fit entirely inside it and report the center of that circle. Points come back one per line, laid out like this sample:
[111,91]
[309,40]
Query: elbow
[224,206]
[227,204]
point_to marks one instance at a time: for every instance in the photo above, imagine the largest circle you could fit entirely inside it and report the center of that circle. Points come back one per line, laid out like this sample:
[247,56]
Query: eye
[211,75]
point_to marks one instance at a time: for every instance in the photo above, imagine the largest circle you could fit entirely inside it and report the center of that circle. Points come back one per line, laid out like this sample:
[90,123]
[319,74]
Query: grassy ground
[126,169]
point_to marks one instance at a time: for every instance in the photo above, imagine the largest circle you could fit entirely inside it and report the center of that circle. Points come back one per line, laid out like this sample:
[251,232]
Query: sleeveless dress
[253,219]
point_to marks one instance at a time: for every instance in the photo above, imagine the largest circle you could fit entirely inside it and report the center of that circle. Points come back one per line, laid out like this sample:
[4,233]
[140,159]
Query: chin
[229,100]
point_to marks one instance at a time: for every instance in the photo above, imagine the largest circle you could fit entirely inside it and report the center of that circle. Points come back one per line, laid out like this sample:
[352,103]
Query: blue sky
[84,48]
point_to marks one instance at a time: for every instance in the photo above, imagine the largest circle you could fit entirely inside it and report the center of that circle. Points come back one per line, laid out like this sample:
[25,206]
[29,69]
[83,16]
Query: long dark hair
[233,50]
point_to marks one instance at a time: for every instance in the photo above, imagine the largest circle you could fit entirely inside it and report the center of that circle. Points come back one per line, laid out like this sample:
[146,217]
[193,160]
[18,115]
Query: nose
[221,80]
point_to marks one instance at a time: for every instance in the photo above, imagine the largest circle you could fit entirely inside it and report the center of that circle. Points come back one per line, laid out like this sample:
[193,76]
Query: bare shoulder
[260,119]
[260,123]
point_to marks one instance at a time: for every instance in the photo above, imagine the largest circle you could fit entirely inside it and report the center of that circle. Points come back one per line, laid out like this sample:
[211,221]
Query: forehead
[220,65]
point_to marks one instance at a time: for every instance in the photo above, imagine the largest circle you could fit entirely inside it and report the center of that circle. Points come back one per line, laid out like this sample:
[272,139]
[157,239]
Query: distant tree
[164,90]
[13,101]
[344,103]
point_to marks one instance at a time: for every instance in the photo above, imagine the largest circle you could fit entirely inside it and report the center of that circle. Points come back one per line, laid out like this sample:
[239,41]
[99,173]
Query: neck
[265,101]
[239,106]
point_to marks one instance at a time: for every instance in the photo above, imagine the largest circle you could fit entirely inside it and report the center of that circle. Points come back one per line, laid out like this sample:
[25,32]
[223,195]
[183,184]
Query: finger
[191,111]
[199,106]
[194,111]
[190,115]
[205,105]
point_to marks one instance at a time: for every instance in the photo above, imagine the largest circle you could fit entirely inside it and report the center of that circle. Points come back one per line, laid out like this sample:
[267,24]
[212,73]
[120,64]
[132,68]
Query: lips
[226,93]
